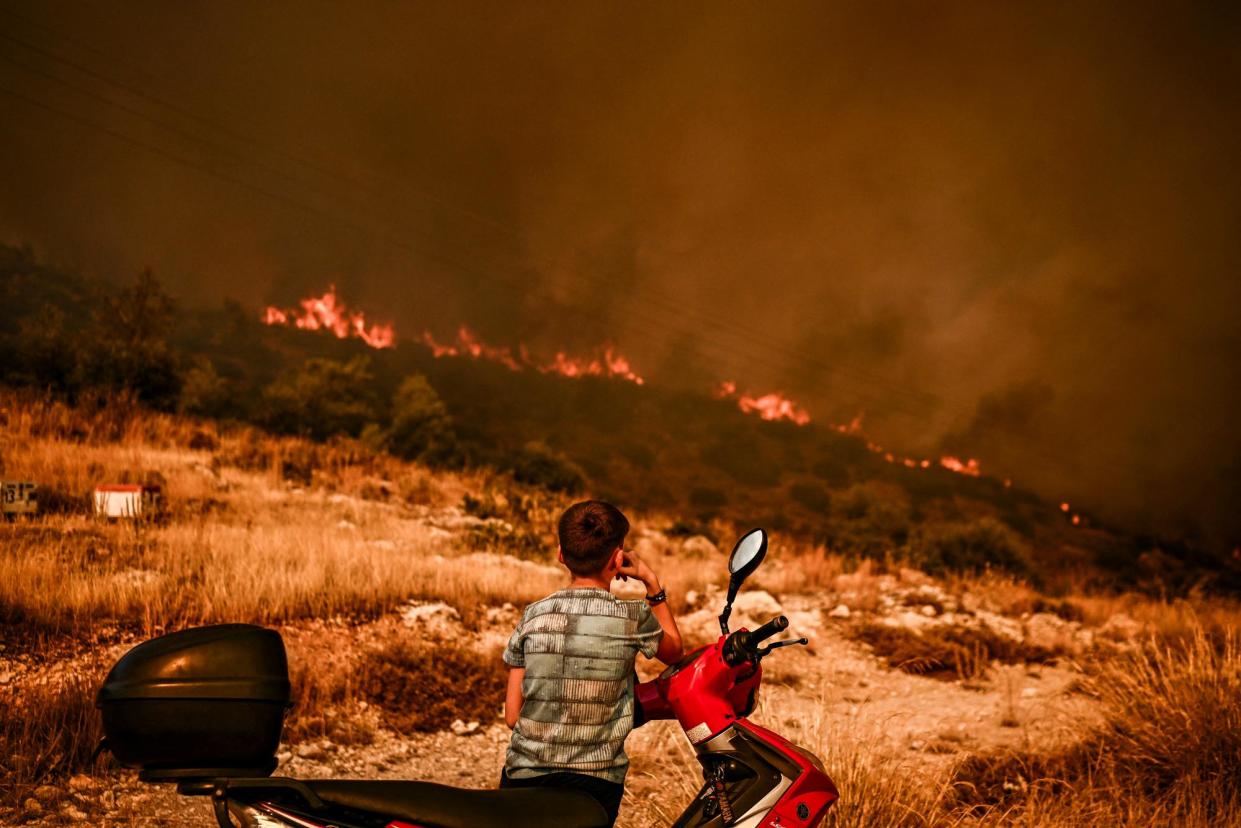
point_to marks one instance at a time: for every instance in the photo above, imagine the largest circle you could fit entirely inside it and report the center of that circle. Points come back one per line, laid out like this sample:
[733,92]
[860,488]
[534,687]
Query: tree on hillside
[128,343]
[421,428]
[321,398]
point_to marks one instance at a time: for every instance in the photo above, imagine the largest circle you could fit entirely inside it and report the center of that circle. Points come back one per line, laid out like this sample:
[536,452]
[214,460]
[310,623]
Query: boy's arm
[513,698]
[670,649]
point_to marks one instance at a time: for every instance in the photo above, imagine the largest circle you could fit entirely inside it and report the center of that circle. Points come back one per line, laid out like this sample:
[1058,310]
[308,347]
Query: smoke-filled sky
[1006,230]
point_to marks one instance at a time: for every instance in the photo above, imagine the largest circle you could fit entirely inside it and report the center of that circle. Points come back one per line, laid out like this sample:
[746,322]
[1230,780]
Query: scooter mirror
[746,556]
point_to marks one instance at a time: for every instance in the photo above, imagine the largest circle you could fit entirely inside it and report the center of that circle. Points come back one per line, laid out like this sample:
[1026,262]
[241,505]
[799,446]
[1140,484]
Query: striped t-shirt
[578,647]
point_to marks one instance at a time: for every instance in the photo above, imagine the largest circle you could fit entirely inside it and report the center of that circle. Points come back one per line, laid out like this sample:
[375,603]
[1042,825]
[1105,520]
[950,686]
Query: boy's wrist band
[657,598]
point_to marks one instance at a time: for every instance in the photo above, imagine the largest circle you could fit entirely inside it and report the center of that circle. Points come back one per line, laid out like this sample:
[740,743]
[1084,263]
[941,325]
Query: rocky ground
[834,693]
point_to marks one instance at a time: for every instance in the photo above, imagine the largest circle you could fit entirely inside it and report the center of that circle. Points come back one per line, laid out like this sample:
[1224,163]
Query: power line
[670,305]
[292,202]
[727,346]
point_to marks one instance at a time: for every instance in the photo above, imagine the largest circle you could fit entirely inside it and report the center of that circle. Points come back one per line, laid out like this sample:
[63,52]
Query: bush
[205,393]
[321,398]
[948,652]
[811,495]
[421,428]
[538,465]
[969,547]
[870,518]
[425,690]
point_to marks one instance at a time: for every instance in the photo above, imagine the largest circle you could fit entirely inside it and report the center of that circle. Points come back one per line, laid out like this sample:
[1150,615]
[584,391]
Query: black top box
[206,702]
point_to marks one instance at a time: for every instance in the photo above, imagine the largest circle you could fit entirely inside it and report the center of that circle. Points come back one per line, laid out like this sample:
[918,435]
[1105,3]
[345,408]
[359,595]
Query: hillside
[931,701]
[659,449]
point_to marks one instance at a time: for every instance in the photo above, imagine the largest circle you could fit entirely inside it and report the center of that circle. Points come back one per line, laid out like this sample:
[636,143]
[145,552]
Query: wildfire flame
[772,406]
[959,466]
[605,363]
[328,313]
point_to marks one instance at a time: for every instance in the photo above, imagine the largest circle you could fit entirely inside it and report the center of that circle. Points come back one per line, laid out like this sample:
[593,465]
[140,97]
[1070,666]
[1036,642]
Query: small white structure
[126,501]
[18,497]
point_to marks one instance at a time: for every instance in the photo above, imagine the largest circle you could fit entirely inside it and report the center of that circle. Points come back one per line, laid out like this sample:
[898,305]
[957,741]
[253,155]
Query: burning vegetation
[328,313]
[772,406]
[605,362]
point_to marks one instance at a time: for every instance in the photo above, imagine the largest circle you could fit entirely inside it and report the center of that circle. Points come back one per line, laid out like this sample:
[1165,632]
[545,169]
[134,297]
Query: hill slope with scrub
[966,699]
[652,448]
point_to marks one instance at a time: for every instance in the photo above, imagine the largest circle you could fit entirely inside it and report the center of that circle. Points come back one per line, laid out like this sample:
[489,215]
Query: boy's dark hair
[590,532]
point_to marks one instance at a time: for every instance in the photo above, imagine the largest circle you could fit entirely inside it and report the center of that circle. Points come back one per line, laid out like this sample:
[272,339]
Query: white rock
[691,598]
[841,611]
[461,728]
[1000,625]
[1029,692]
[347,525]
[757,604]
[698,546]
[430,614]
[1043,629]
[309,750]
[929,611]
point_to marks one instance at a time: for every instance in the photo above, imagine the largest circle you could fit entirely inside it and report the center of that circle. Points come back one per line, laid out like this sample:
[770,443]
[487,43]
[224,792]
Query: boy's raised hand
[632,566]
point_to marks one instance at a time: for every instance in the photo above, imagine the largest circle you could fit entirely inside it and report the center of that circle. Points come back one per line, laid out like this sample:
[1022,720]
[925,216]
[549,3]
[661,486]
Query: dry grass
[295,564]
[1168,754]
[275,530]
[47,731]
[948,652]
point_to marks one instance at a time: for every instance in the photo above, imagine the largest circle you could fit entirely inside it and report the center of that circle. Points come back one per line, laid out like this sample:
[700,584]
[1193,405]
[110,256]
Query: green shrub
[538,465]
[969,547]
[421,428]
[321,398]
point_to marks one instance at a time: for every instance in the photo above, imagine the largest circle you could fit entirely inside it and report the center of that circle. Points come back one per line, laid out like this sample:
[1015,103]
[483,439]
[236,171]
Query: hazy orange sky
[1007,230]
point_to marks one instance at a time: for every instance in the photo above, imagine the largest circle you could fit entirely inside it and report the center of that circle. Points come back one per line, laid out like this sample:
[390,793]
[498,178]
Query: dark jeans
[608,794]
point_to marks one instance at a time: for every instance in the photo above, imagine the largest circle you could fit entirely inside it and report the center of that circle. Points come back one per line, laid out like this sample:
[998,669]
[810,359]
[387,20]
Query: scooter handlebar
[773,627]
[744,646]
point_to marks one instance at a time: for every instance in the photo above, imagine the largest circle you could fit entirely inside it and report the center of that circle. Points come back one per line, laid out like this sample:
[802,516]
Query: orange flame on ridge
[328,313]
[606,363]
[772,406]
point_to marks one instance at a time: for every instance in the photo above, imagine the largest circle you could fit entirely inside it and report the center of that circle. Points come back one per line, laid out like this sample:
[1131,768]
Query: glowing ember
[328,313]
[1077,519]
[1064,507]
[606,363]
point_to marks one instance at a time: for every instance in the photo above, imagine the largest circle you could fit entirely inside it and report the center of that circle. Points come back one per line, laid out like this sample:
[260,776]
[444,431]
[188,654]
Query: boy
[570,686]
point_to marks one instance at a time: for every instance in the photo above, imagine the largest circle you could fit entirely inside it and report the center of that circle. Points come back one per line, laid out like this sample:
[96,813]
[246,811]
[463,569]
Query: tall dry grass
[47,731]
[269,573]
[1169,752]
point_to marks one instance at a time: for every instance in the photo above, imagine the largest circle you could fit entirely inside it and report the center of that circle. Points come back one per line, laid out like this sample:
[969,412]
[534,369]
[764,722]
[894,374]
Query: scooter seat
[429,805]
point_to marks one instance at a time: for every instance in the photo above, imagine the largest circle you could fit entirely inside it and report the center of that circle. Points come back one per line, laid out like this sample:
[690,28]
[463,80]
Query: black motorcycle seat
[430,805]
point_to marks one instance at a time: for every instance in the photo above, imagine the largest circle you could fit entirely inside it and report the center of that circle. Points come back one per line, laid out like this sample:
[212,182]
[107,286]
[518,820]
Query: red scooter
[203,708]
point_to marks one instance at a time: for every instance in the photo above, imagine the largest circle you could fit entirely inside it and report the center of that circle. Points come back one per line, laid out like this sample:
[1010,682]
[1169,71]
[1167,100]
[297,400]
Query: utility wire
[728,346]
[312,210]
[669,304]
